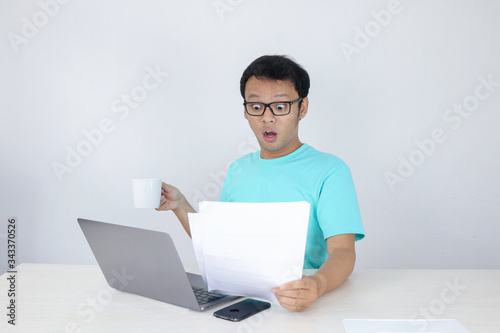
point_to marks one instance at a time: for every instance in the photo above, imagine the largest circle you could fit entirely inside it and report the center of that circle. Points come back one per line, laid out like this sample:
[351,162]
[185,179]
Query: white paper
[403,326]
[248,248]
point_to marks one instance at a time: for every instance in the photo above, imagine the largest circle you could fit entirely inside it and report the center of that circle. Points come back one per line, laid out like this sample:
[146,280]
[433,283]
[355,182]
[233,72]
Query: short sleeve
[338,209]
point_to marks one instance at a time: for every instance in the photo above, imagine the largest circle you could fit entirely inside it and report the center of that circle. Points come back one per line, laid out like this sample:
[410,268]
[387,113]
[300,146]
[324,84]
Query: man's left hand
[299,294]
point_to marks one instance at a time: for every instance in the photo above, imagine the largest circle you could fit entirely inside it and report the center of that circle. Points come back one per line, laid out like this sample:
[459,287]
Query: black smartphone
[241,310]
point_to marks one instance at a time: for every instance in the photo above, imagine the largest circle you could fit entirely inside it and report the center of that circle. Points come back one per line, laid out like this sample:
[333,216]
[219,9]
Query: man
[275,89]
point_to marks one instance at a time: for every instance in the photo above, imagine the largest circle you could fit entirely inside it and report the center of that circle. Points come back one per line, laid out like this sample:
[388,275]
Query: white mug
[147,192]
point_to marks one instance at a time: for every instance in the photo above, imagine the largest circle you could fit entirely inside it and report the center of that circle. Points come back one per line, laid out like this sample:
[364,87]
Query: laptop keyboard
[203,296]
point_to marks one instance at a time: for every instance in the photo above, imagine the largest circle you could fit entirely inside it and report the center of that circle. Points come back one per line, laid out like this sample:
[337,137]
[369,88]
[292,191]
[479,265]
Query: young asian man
[275,92]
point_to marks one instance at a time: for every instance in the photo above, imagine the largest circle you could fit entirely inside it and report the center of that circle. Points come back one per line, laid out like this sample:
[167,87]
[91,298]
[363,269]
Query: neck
[269,154]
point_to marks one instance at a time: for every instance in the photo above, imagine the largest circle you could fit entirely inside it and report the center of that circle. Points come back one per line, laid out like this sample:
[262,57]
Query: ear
[245,114]
[304,106]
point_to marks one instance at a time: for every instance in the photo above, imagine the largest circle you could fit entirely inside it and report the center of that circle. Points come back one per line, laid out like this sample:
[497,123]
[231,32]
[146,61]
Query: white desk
[76,298]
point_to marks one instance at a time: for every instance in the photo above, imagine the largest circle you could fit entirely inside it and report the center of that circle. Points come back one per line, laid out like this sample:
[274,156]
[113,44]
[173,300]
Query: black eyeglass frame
[268,105]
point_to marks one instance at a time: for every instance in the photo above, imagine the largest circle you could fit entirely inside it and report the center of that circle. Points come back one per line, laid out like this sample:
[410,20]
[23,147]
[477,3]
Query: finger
[294,308]
[295,294]
[163,204]
[292,304]
[165,187]
[296,284]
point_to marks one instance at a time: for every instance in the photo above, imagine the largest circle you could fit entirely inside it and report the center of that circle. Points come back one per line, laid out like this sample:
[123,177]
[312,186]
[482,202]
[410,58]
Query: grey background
[385,75]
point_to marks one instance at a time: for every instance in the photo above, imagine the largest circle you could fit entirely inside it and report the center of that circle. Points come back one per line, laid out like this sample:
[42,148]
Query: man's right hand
[170,197]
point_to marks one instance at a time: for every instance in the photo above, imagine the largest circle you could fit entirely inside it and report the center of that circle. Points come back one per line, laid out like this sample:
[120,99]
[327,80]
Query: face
[277,135]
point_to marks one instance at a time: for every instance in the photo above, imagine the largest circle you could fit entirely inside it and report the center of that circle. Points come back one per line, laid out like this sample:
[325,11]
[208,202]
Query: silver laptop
[146,263]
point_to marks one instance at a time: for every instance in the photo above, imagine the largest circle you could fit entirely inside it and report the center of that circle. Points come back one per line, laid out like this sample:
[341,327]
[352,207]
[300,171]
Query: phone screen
[242,310]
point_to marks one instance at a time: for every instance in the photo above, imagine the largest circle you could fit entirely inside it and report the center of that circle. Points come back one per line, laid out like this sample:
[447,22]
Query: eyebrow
[277,95]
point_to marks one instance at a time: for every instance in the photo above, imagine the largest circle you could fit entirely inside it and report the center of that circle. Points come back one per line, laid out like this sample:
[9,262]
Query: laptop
[146,263]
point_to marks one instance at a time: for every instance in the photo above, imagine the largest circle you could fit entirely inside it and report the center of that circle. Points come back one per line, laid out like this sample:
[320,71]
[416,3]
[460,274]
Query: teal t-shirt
[321,179]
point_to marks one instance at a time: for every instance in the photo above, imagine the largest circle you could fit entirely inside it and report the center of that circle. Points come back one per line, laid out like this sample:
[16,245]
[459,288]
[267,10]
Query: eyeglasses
[277,108]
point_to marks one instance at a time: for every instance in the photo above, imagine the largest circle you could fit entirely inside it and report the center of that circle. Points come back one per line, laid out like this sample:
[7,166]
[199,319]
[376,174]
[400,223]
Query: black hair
[277,67]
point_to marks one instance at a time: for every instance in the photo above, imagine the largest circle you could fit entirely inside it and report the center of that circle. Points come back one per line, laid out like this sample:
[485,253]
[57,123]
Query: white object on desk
[403,326]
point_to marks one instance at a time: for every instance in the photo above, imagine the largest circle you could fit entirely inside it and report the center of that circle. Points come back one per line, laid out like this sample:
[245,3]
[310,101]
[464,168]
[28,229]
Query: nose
[268,116]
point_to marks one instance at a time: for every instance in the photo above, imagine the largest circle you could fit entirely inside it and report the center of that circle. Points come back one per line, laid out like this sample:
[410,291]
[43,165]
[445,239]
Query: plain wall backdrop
[95,93]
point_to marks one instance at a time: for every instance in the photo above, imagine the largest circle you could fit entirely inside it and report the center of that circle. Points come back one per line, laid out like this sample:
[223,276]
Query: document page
[248,248]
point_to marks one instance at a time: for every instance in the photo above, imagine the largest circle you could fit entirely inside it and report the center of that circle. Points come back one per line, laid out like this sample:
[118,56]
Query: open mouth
[269,135]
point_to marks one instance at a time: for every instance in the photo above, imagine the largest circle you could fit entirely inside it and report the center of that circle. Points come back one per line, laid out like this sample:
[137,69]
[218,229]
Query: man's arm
[299,294]
[172,199]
